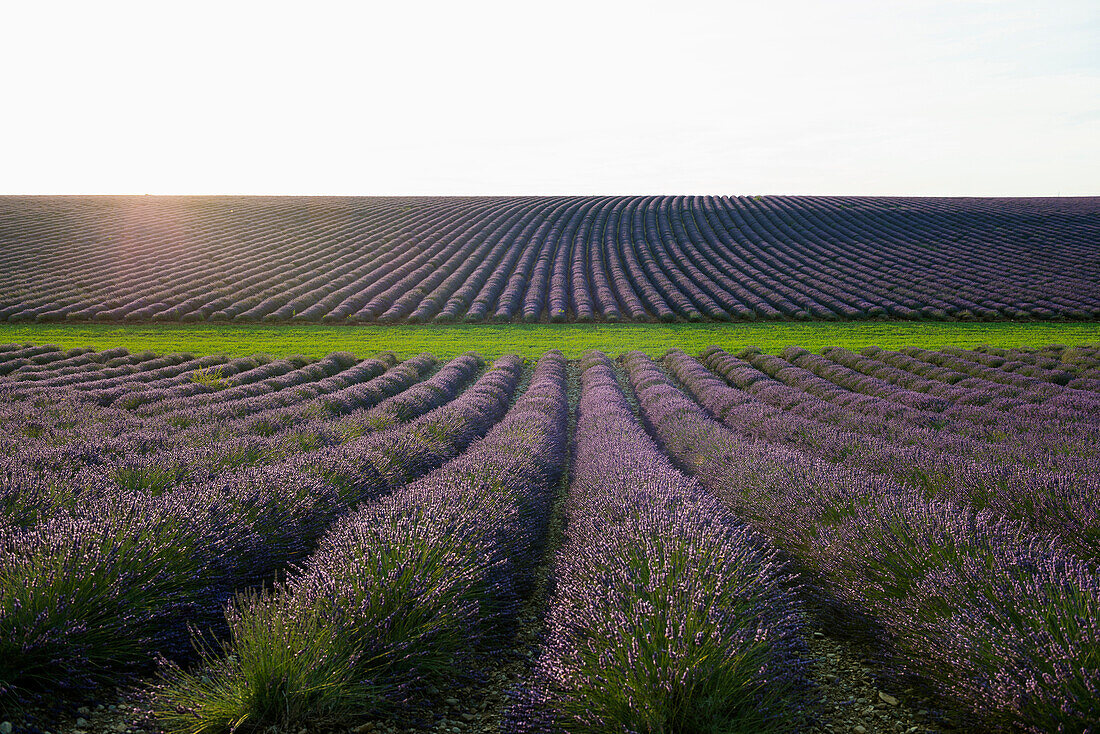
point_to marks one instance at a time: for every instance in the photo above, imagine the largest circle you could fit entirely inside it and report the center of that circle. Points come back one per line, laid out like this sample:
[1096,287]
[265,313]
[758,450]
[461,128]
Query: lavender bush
[394,592]
[227,535]
[667,614]
[999,618]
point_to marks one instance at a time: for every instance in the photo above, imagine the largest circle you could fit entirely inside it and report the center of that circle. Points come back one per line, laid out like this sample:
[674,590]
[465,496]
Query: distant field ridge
[540,259]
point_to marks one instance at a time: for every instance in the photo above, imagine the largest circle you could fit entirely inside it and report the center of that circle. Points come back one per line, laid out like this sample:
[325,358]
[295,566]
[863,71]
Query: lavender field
[695,543]
[546,259]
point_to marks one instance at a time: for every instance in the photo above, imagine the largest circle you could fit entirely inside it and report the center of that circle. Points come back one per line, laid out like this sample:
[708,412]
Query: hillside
[336,260]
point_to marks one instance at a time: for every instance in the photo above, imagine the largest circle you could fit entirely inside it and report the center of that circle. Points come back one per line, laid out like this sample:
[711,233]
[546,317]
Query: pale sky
[942,98]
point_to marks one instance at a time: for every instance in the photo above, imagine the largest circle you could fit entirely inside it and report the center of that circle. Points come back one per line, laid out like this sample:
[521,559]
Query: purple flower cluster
[666,614]
[400,587]
[1002,619]
[150,457]
[968,412]
[1063,498]
[1045,405]
[88,595]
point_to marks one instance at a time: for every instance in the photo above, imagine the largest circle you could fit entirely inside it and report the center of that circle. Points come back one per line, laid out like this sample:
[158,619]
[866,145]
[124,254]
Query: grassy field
[534,339]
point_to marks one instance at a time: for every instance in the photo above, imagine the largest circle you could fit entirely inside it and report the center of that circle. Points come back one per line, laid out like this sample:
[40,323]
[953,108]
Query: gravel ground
[852,699]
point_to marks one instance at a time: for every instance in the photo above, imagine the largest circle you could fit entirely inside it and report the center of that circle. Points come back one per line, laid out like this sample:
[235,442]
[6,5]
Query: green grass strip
[531,340]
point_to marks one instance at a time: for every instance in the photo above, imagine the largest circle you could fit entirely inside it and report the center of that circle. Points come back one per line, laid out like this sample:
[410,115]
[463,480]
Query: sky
[933,98]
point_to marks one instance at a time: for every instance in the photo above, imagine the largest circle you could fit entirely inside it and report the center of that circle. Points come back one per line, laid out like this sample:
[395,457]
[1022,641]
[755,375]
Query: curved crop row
[943,504]
[936,463]
[86,597]
[1003,620]
[666,614]
[395,591]
[976,399]
[46,480]
[688,258]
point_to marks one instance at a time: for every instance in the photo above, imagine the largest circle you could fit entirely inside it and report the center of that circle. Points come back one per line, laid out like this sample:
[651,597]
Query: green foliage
[283,665]
[532,340]
[212,378]
[151,478]
[96,598]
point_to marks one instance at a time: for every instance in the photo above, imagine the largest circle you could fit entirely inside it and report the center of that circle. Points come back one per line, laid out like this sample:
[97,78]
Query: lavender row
[1000,619]
[90,365]
[106,386]
[1038,398]
[29,360]
[90,596]
[796,395]
[1015,484]
[43,481]
[842,377]
[125,432]
[1034,417]
[1083,372]
[385,402]
[1079,361]
[56,419]
[355,396]
[221,401]
[1031,389]
[256,381]
[787,388]
[429,272]
[973,394]
[397,591]
[56,369]
[1046,372]
[546,258]
[666,614]
[154,451]
[299,389]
